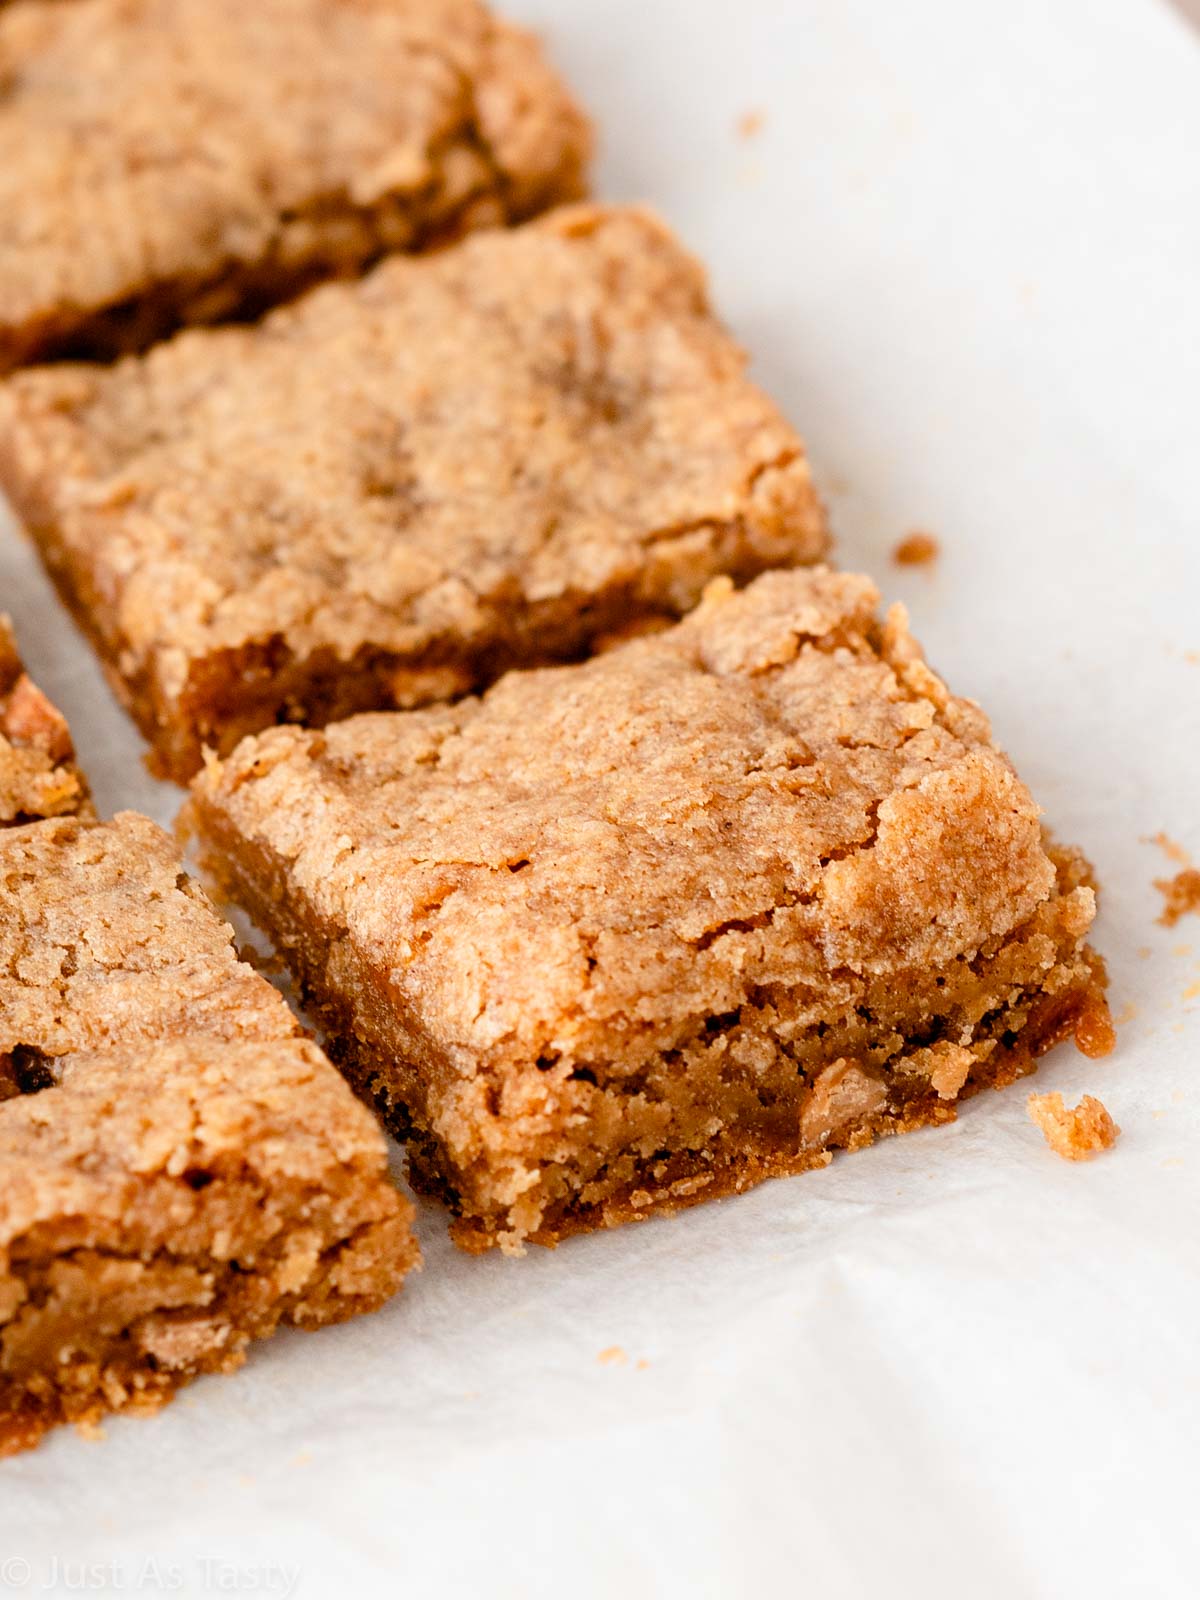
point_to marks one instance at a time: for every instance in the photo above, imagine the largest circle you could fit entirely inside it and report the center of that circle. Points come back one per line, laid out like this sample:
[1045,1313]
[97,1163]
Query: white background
[965,249]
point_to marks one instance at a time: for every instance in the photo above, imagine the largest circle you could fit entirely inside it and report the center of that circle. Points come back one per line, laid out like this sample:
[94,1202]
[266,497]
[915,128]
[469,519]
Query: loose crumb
[1126,1014]
[1078,1134]
[614,1356]
[1171,849]
[1181,895]
[750,124]
[916,550]
[642,1365]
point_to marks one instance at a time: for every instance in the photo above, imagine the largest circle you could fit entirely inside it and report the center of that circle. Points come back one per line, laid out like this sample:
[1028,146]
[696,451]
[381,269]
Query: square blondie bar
[395,489]
[39,776]
[621,936]
[164,162]
[181,1171]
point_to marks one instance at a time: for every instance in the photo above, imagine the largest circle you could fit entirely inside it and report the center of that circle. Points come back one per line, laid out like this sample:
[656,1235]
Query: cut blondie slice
[38,773]
[623,936]
[390,492]
[180,1170]
[164,162]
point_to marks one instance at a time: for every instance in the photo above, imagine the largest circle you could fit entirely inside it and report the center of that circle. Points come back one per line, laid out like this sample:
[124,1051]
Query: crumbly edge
[125,1272]
[331,237]
[39,776]
[398,1069]
[203,1314]
[233,693]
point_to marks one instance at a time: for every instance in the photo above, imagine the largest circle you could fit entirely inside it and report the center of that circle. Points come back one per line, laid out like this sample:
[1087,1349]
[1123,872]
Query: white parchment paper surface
[964,247]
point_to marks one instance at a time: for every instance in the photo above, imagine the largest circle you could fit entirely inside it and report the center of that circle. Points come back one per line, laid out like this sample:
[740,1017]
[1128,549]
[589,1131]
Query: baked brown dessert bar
[395,489]
[38,773]
[623,936]
[180,1170]
[164,162]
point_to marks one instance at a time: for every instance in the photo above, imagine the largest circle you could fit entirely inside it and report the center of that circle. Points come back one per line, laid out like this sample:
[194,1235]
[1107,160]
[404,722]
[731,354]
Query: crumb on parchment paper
[750,124]
[1181,895]
[1075,1134]
[1173,850]
[916,549]
[613,1356]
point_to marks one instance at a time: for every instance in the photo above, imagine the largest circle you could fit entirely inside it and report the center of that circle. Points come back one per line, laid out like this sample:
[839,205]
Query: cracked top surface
[38,775]
[147,140]
[261,1113]
[135,1044]
[534,416]
[105,941]
[776,790]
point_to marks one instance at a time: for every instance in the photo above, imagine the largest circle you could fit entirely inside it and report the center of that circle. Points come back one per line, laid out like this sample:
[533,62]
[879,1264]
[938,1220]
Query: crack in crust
[231,173]
[182,1171]
[778,893]
[487,458]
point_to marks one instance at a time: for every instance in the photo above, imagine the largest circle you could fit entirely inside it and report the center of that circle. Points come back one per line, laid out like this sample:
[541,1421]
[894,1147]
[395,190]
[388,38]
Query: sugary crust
[38,774]
[703,907]
[165,163]
[181,1170]
[395,489]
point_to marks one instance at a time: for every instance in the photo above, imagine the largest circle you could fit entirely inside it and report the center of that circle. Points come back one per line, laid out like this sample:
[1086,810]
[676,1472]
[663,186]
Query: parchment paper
[965,248]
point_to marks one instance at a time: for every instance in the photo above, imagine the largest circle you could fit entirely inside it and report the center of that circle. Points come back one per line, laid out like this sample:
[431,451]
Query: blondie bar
[164,162]
[181,1171]
[395,489]
[621,936]
[38,773]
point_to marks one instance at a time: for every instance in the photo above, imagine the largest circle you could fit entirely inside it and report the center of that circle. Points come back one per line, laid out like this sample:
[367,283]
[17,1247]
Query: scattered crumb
[1192,657]
[1075,1135]
[642,1364]
[1192,992]
[1158,1115]
[302,1458]
[614,1356]
[1181,949]
[916,549]
[750,124]
[1144,952]
[1126,1014]
[1181,894]
[1171,849]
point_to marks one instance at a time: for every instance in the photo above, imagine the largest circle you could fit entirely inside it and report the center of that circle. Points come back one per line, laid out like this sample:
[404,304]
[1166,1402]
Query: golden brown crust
[38,773]
[164,163]
[704,908]
[180,1171]
[395,489]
